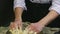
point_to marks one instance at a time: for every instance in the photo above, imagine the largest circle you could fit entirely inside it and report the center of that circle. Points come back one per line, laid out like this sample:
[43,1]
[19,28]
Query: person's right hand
[15,24]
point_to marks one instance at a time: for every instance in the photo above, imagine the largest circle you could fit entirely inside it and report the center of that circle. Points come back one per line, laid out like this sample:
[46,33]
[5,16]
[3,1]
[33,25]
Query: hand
[36,27]
[15,25]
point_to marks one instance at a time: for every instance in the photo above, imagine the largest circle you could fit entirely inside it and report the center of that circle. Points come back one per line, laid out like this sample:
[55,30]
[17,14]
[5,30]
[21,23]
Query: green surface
[3,30]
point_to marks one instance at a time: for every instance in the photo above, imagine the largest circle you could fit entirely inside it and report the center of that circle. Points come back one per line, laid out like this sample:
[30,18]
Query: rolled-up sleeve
[55,6]
[20,3]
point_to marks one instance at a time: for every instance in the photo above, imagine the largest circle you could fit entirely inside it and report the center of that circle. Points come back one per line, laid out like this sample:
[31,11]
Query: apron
[36,11]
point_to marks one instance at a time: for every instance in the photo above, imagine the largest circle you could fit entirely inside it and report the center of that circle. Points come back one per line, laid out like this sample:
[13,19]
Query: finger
[20,26]
[32,28]
[28,27]
[16,26]
[11,26]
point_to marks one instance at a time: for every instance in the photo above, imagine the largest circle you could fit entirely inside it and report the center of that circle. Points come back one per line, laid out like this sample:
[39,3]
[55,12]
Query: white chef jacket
[55,4]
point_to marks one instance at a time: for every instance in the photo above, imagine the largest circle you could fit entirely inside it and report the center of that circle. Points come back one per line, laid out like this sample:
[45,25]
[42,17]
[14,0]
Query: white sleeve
[20,3]
[55,6]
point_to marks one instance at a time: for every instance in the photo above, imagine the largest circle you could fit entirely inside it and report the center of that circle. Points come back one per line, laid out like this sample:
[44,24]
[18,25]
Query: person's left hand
[36,27]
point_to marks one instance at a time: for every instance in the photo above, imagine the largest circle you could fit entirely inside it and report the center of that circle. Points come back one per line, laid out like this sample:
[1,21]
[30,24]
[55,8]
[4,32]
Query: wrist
[18,20]
[41,24]
[44,21]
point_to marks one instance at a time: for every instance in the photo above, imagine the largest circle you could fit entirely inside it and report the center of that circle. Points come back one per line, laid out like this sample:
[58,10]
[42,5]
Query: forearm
[18,13]
[49,17]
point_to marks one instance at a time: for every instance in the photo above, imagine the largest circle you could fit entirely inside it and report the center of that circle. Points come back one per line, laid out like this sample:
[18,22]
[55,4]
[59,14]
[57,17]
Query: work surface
[46,30]
[3,30]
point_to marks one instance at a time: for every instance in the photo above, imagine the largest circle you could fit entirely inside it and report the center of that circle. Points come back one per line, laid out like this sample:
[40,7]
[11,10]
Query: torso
[36,11]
